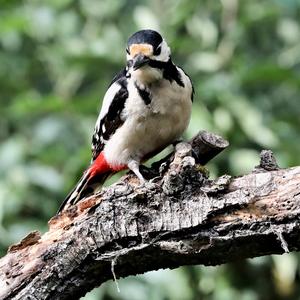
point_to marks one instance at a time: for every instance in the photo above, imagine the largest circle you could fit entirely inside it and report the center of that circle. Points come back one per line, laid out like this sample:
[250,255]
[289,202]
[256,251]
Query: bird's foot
[149,185]
[145,176]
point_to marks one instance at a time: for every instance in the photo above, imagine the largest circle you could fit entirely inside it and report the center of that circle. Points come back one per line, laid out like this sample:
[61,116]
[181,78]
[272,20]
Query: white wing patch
[108,98]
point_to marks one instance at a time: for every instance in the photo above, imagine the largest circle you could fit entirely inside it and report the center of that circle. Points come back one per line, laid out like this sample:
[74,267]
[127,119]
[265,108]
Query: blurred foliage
[57,58]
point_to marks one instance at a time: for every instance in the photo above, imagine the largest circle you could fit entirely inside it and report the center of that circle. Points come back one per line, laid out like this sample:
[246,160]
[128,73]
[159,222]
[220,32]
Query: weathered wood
[181,219]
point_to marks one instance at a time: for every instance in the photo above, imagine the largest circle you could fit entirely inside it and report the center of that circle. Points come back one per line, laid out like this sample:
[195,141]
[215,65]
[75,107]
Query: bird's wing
[109,119]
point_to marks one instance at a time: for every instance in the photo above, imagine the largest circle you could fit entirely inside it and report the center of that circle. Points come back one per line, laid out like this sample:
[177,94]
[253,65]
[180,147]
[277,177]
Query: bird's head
[147,51]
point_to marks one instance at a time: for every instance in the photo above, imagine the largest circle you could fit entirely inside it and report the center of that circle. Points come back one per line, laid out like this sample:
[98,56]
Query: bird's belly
[145,133]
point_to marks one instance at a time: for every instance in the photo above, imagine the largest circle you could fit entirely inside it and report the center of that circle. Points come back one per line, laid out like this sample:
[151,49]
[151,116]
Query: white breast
[150,128]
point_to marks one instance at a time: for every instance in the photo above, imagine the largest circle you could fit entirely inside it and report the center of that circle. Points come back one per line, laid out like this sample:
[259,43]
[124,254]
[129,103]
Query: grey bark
[179,218]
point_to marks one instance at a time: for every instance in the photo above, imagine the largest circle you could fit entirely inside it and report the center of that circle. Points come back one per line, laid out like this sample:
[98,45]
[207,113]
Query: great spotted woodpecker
[146,108]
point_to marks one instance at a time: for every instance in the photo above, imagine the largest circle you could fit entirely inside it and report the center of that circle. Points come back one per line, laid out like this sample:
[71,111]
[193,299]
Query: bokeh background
[57,58]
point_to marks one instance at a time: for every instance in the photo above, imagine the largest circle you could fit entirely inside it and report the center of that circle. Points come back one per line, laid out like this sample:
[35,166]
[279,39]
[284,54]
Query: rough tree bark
[180,218]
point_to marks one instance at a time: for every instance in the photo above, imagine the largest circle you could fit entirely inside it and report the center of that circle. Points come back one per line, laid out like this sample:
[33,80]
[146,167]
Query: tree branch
[180,218]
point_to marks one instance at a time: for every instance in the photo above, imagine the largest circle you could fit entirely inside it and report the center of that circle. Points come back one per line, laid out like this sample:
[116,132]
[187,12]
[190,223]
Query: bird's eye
[157,50]
[127,51]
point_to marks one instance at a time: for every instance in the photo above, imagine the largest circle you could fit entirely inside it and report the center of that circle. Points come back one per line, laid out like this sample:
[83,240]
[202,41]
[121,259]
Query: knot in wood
[268,161]
[183,173]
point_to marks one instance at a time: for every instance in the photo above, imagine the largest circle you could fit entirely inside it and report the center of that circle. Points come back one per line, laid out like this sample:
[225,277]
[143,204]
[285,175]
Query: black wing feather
[112,120]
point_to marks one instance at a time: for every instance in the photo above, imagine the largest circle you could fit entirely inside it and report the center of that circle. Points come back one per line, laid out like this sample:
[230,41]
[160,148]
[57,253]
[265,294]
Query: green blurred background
[57,58]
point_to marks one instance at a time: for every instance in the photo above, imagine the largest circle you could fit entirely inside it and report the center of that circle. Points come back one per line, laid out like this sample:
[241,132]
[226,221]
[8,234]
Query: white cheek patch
[165,52]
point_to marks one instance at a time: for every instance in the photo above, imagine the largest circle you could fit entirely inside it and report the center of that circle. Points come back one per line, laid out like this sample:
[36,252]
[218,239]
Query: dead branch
[179,218]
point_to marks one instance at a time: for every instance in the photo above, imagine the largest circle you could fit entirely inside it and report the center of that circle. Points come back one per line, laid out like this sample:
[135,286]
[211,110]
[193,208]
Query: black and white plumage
[146,108]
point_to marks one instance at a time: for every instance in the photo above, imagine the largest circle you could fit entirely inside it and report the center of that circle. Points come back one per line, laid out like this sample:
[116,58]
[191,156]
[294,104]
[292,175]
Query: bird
[146,107]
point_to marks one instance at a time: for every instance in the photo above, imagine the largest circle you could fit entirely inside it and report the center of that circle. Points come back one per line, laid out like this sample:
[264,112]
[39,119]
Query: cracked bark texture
[179,218]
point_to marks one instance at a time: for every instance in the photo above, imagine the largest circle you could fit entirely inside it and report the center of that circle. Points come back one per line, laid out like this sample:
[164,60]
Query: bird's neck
[147,76]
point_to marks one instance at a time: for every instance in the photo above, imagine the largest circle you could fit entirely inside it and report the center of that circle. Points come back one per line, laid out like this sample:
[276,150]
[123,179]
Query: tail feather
[91,180]
[86,186]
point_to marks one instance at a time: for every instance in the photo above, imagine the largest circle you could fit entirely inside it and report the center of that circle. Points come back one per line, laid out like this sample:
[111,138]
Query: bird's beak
[140,60]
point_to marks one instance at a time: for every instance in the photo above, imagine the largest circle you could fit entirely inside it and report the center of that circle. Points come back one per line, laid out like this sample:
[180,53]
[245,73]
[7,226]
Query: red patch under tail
[101,166]
[92,179]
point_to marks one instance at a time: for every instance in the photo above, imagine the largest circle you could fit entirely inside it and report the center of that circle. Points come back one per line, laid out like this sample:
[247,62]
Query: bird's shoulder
[187,81]
[119,78]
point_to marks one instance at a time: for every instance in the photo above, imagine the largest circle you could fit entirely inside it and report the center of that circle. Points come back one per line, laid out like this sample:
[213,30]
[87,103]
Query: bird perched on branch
[146,108]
